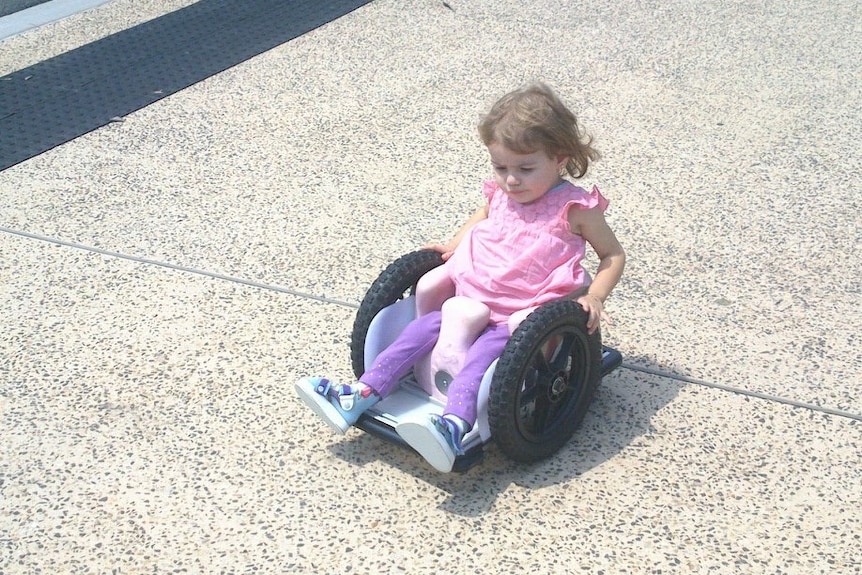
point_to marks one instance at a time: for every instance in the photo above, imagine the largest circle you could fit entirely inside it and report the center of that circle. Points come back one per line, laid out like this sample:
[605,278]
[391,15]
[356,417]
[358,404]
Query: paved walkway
[164,280]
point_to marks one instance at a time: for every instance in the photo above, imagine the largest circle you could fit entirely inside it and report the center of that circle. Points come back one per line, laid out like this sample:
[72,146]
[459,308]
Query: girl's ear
[561,163]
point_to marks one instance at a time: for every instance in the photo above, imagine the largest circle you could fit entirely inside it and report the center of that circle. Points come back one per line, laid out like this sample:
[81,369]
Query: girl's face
[525,177]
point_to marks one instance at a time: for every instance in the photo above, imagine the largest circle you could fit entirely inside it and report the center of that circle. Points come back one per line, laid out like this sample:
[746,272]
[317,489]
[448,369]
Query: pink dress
[523,255]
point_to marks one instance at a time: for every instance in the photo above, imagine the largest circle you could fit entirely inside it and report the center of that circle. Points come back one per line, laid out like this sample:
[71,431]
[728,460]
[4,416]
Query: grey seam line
[260,285]
[739,391]
[171,266]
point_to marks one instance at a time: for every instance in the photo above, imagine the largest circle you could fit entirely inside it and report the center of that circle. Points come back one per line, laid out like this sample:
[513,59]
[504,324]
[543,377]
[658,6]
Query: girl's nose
[511,179]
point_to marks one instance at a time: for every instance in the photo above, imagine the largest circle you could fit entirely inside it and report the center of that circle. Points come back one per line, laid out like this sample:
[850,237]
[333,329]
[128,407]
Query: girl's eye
[499,169]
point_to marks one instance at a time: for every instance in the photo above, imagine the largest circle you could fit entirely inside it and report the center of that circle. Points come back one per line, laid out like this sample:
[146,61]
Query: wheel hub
[558,387]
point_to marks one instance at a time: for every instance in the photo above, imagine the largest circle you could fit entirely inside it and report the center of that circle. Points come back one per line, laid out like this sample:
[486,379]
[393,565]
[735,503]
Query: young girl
[520,250]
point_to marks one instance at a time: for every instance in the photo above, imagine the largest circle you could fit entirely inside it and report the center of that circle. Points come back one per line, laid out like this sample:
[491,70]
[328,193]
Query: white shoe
[436,439]
[338,405]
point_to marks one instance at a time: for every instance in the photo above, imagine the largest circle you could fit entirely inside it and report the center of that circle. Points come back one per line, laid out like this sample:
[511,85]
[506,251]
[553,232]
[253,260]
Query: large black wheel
[544,382]
[397,281]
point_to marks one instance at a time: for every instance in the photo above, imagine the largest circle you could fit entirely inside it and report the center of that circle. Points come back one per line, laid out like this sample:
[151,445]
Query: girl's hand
[593,306]
[444,250]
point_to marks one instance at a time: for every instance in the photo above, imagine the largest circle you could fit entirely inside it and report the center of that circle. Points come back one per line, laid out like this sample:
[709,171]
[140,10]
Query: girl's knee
[519,316]
[433,289]
[470,311]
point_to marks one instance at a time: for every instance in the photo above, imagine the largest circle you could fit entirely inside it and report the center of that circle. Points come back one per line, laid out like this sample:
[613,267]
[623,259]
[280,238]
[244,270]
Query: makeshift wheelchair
[531,400]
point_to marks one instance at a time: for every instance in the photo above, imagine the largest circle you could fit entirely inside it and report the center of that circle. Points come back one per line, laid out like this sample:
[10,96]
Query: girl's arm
[449,247]
[592,226]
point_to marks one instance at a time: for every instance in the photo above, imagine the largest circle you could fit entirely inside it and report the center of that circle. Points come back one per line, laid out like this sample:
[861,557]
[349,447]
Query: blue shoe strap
[450,430]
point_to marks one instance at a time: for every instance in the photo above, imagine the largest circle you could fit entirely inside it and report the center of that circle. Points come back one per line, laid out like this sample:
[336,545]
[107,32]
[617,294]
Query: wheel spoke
[540,363]
[546,413]
[530,386]
[559,360]
[541,414]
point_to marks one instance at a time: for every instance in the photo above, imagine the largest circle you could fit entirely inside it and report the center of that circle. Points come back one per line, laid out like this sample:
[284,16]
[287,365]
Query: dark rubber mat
[64,97]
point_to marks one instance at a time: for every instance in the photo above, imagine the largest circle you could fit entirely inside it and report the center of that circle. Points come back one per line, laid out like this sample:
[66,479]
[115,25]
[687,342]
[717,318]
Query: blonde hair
[533,118]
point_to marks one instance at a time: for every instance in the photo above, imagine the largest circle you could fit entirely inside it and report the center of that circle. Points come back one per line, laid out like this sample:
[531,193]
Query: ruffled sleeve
[488,189]
[582,200]
[588,200]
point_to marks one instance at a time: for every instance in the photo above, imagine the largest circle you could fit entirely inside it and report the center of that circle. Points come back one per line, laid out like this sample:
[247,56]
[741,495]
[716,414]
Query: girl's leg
[438,439]
[433,289]
[462,321]
[340,406]
[463,394]
[414,342]
[518,317]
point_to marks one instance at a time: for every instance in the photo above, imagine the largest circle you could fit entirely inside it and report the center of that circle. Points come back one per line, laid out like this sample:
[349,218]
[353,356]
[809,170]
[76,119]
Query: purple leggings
[416,341]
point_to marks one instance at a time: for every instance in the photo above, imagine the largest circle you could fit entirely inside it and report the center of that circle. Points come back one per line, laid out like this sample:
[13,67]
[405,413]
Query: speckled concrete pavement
[147,419]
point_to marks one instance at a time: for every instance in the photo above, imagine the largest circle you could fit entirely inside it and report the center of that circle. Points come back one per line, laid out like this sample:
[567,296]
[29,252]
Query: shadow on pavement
[620,413]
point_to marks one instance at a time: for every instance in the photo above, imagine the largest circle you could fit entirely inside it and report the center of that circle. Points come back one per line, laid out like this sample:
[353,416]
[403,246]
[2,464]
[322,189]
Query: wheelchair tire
[397,281]
[544,382]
